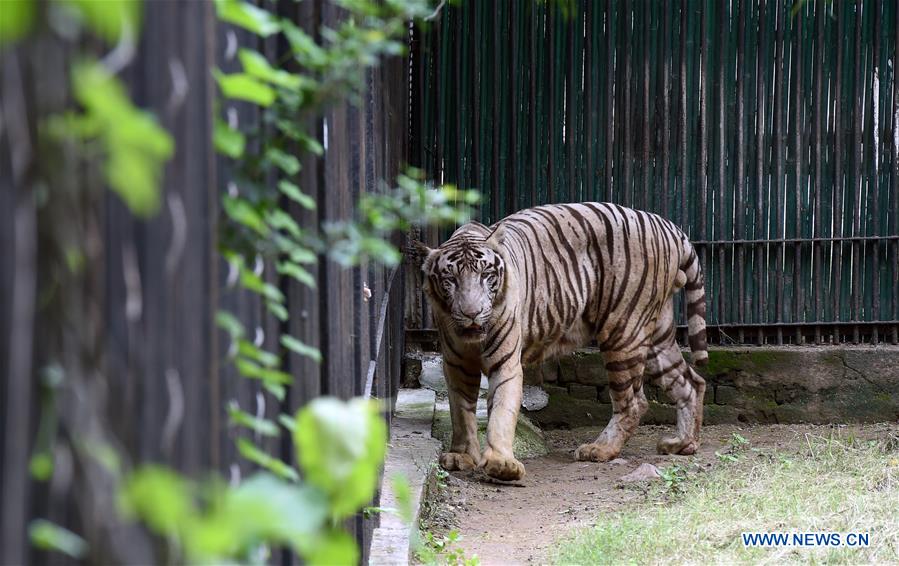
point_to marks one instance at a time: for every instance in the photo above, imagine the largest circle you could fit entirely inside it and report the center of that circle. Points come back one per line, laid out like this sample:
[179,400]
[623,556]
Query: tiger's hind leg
[625,370]
[665,367]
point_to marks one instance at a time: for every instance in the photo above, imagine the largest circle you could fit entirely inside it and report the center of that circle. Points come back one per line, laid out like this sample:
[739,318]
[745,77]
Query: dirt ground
[504,524]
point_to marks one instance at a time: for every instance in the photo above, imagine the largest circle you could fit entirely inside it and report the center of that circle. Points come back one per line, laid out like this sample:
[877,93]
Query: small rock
[643,472]
[534,398]
[619,461]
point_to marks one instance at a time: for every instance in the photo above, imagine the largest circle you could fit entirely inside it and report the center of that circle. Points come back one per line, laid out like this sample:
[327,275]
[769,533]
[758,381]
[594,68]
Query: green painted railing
[767,130]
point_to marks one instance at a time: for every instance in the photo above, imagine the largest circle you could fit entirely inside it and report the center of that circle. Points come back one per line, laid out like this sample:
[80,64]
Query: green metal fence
[767,130]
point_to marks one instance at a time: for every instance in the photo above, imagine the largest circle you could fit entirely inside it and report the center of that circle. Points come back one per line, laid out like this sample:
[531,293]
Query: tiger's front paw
[596,452]
[504,468]
[452,461]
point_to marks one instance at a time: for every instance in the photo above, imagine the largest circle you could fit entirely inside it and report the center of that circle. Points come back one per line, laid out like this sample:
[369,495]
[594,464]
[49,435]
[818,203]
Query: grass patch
[836,484]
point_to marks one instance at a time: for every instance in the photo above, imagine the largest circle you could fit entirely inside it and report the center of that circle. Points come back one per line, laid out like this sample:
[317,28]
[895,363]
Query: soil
[508,524]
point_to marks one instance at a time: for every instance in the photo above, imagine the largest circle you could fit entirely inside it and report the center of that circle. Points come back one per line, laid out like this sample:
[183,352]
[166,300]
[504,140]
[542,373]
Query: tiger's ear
[497,238]
[418,253]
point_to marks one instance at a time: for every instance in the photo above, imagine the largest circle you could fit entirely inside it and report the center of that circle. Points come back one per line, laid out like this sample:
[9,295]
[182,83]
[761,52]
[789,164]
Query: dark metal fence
[768,130]
[148,346]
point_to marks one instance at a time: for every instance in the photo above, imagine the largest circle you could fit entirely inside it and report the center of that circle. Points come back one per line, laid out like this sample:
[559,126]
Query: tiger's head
[465,279]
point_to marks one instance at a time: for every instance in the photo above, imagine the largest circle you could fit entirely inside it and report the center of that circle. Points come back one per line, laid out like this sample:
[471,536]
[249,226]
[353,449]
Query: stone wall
[753,385]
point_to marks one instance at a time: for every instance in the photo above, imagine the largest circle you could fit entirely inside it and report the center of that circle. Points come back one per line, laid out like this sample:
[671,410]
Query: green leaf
[334,547]
[294,193]
[255,283]
[136,146]
[240,86]
[300,254]
[159,497]
[110,19]
[271,509]
[340,447]
[287,422]
[252,370]
[278,310]
[280,220]
[16,19]
[305,49]
[242,212]
[249,451]
[48,536]
[255,64]
[41,466]
[229,323]
[276,389]
[239,417]
[228,141]
[301,348]
[282,160]
[293,270]
[247,16]
[249,350]
[311,144]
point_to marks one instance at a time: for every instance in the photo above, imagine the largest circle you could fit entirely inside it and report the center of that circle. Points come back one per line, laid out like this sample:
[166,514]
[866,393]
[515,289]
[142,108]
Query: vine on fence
[340,445]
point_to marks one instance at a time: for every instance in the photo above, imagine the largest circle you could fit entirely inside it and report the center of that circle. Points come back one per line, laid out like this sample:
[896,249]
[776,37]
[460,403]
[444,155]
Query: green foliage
[341,449]
[264,427]
[339,446]
[48,536]
[737,445]
[247,16]
[674,478]
[133,147]
[16,20]
[412,202]
[433,550]
[109,19]
[228,141]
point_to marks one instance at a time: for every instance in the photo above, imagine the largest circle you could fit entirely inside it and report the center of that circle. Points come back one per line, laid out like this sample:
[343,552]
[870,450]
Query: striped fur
[550,279]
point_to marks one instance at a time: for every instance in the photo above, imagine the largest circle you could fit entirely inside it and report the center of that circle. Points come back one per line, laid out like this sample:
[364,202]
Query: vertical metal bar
[875,180]
[706,255]
[628,114]
[589,105]
[703,164]
[859,103]
[551,81]
[894,175]
[610,100]
[645,157]
[496,133]
[459,108]
[682,193]
[761,309]
[723,25]
[475,90]
[837,232]
[512,159]
[572,86]
[820,19]
[532,103]
[740,184]
[798,155]
[682,126]
[778,206]
[667,48]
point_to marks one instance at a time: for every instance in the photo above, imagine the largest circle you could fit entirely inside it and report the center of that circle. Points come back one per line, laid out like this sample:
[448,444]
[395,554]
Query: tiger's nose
[471,314]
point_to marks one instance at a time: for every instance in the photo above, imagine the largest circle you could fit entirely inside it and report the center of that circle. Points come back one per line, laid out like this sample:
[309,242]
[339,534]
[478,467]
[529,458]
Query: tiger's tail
[695,290]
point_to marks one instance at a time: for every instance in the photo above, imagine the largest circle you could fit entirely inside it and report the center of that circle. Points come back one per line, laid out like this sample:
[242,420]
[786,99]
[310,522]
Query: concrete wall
[754,385]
